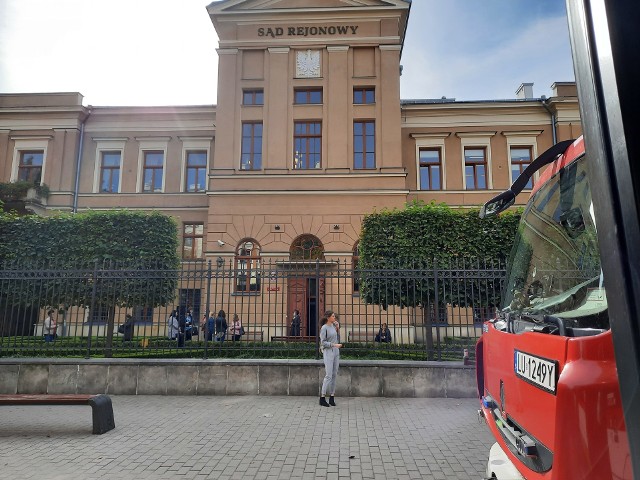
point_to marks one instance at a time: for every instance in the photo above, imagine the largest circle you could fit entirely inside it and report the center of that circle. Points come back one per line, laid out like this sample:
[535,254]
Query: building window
[364,95]
[354,267]
[253,97]
[101,313]
[475,168]
[196,175]
[152,171]
[251,157]
[306,247]
[520,159]
[248,266]
[364,144]
[142,314]
[192,239]
[305,96]
[307,143]
[430,169]
[30,167]
[110,172]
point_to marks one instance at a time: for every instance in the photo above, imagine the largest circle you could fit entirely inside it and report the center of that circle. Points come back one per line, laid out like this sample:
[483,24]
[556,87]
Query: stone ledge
[357,378]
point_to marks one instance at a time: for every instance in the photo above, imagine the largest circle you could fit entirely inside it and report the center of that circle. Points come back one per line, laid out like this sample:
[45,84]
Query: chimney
[525,91]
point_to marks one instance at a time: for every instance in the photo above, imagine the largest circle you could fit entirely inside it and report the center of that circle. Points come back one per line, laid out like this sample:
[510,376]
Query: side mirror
[498,204]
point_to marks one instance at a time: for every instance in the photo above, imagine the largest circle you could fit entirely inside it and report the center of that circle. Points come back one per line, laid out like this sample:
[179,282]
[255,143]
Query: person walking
[331,355]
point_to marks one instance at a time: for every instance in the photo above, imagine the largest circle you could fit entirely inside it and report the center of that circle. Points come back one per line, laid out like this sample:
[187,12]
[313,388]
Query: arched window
[354,267]
[306,247]
[247,266]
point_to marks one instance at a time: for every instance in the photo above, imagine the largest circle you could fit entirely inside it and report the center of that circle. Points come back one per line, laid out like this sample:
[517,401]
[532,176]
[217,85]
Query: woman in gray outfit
[331,354]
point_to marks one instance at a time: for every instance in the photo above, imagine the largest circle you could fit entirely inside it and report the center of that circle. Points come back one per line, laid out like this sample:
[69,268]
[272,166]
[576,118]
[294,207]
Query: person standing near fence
[221,326]
[295,324]
[173,325]
[236,328]
[331,355]
[50,327]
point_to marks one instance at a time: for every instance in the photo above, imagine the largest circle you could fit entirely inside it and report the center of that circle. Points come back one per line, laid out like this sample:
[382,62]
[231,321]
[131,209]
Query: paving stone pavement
[158,437]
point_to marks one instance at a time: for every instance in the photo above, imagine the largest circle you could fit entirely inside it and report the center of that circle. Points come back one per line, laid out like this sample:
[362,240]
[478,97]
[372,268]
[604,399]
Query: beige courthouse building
[309,134]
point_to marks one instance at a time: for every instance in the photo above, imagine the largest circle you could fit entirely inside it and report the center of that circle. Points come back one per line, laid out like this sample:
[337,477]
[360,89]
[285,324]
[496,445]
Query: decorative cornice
[338,48]
[522,133]
[474,134]
[441,135]
[278,49]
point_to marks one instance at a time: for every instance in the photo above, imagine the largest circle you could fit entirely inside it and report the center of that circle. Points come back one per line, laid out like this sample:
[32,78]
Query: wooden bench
[294,338]
[252,336]
[102,410]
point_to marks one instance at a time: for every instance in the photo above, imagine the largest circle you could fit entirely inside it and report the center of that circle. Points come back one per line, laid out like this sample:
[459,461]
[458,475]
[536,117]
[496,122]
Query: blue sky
[162,52]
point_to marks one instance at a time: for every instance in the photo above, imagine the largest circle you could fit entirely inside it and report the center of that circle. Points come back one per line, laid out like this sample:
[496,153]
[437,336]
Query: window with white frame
[29,157]
[521,158]
[430,160]
[110,171]
[522,149]
[476,160]
[152,158]
[108,165]
[195,163]
[152,171]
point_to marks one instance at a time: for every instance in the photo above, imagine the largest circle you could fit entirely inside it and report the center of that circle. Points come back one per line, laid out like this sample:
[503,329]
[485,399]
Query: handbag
[120,328]
[241,330]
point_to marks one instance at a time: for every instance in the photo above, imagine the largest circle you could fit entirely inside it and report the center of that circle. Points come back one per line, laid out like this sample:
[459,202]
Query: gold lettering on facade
[298,31]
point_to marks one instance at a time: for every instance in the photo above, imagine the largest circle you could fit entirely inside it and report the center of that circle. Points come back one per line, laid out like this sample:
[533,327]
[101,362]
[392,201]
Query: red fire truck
[559,370]
[546,368]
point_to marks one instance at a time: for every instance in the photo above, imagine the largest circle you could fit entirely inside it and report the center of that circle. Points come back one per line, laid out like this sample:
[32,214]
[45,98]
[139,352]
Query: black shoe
[332,401]
[323,402]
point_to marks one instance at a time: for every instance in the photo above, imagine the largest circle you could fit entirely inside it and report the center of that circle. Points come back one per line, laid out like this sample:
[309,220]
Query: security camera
[221,243]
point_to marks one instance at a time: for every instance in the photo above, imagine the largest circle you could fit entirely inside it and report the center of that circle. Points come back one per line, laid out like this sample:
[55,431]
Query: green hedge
[422,238]
[162,348]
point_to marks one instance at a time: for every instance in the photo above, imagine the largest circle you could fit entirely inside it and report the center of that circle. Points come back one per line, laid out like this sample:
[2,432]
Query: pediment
[237,6]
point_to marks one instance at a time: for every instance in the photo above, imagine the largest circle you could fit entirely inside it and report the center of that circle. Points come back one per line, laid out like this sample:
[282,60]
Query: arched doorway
[305,288]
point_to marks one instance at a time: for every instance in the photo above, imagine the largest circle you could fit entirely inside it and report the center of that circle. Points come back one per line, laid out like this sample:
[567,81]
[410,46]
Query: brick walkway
[247,437]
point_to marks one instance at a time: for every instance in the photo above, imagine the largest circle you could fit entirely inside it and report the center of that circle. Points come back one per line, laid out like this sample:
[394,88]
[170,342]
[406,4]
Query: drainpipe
[78,162]
[543,102]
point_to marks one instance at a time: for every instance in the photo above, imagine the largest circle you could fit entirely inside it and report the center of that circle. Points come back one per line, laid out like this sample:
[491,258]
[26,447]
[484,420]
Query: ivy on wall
[424,238]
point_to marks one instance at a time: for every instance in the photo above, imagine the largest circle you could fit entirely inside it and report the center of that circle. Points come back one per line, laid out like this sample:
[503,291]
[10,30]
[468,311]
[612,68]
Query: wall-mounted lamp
[220,262]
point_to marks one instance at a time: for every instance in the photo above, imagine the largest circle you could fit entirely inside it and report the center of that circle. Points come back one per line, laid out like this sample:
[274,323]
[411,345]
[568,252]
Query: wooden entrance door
[306,296]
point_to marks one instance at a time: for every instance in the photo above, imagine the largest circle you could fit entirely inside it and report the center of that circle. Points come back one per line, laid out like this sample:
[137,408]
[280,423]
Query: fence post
[436,298]
[206,336]
[94,278]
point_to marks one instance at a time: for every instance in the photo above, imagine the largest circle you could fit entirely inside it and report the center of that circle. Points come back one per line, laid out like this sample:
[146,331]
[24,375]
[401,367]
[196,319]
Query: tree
[96,259]
[430,256]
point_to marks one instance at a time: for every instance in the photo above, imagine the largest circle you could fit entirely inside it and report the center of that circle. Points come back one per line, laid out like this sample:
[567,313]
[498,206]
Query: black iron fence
[433,311]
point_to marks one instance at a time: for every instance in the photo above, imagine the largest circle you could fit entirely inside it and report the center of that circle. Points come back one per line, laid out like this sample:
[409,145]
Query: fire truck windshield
[555,263]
